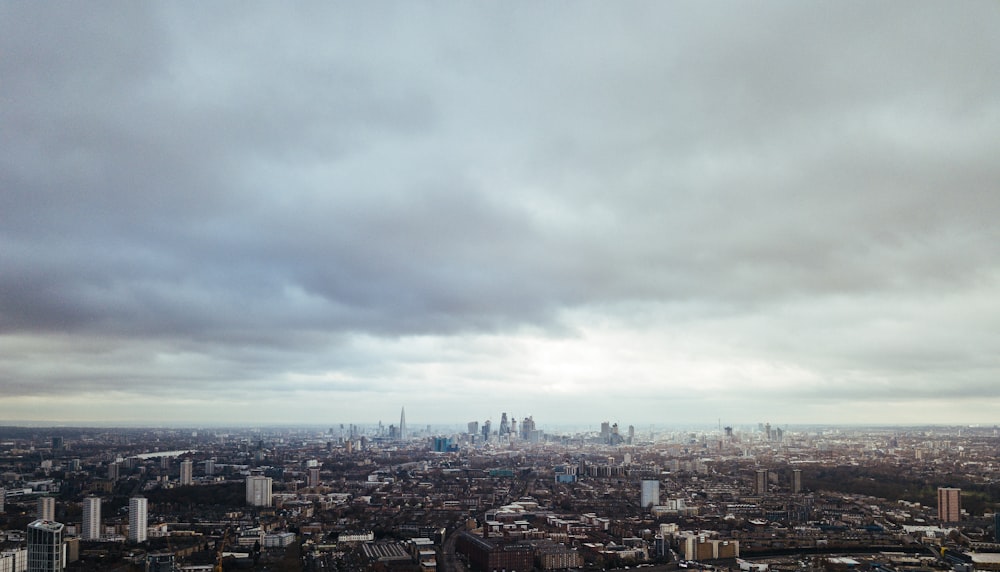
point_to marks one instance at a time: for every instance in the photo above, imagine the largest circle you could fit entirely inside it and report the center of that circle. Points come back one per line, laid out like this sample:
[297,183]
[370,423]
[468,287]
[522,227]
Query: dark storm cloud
[251,188]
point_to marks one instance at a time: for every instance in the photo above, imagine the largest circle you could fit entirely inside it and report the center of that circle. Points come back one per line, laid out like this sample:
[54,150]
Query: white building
[137,519]
[650,493]
[46,508]
[14,560]
[258,490]
[187,472]
[91,519]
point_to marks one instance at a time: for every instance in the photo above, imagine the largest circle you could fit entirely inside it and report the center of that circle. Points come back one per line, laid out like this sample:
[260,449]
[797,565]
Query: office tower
[473,427]
[504,425]
[760,483]
[210,467]
[650,493]
[258,490]
[605,432]
[796,481]
[949,504]
[314,477]
[767,431]
[45,546]
[402,424]
[91,519]
[486,430]
[527,426]
[46,508]
[187,470]
[137,519]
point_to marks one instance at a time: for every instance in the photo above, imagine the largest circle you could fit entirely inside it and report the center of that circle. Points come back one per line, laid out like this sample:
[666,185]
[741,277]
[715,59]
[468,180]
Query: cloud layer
[648,212]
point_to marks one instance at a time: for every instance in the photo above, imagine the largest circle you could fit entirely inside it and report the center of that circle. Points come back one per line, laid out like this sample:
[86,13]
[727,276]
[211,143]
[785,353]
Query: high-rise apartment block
[91,519]
[949,504]
[258,490]
[650,493]
[760,482]
[137,519]
[796,481]
[313,477]
[45,546]
[46,508]
[187,472]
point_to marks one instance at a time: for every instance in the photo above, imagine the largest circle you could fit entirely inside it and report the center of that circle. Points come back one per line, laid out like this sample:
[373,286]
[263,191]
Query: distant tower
[650,493]
[314,476]
[760,483]
[210,467]
[91,518]
[46,508]
[45,546]
[402,424]
[949,504]
[187,470]
[137,519]
[258,490]
[796,481]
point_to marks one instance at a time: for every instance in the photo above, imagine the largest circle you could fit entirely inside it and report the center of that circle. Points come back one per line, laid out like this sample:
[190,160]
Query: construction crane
[218,553]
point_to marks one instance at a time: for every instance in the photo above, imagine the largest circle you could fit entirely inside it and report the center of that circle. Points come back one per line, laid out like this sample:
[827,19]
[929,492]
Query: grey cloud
[254,181]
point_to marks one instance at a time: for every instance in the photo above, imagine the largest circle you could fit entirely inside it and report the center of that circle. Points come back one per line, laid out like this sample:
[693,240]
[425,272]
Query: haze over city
[643,213]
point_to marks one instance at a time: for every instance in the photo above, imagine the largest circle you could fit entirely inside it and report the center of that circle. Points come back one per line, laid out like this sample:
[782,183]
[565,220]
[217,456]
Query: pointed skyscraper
[402,424]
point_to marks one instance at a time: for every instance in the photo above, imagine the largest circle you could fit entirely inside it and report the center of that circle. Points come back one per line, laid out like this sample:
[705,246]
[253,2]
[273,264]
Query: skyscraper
[45,546]
[796,481]
[46,508]
[313,476]
[210,467]
[949,504]
[402,423]
[91,519]
[650,493]
[187,470]
[258,490]
[137,519]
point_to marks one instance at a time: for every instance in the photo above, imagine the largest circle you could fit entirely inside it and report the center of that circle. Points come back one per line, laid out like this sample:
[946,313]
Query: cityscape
[510,495]
[508,286]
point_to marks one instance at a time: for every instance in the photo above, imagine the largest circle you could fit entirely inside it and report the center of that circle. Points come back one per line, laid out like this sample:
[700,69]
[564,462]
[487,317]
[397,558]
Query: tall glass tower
[45,546]
[402,424]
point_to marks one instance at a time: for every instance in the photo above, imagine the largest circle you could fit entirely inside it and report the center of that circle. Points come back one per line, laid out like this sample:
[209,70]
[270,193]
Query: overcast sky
[642,212]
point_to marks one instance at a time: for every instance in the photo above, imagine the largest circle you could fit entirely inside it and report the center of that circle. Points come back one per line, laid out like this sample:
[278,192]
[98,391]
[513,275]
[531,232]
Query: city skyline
[652,213]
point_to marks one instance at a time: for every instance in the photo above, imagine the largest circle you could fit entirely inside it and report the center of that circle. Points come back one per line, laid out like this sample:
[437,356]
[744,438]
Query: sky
[636,212]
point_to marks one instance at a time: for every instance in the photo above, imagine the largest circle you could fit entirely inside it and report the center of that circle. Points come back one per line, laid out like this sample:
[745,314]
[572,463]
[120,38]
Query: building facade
[187,472]
[138,519]
[258,490]
[46,508]
[45,546]
[91,529]
[650,496]
[949,504]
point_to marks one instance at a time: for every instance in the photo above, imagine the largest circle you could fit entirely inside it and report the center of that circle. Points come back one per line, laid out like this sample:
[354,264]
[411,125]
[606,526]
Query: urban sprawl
[508,496]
